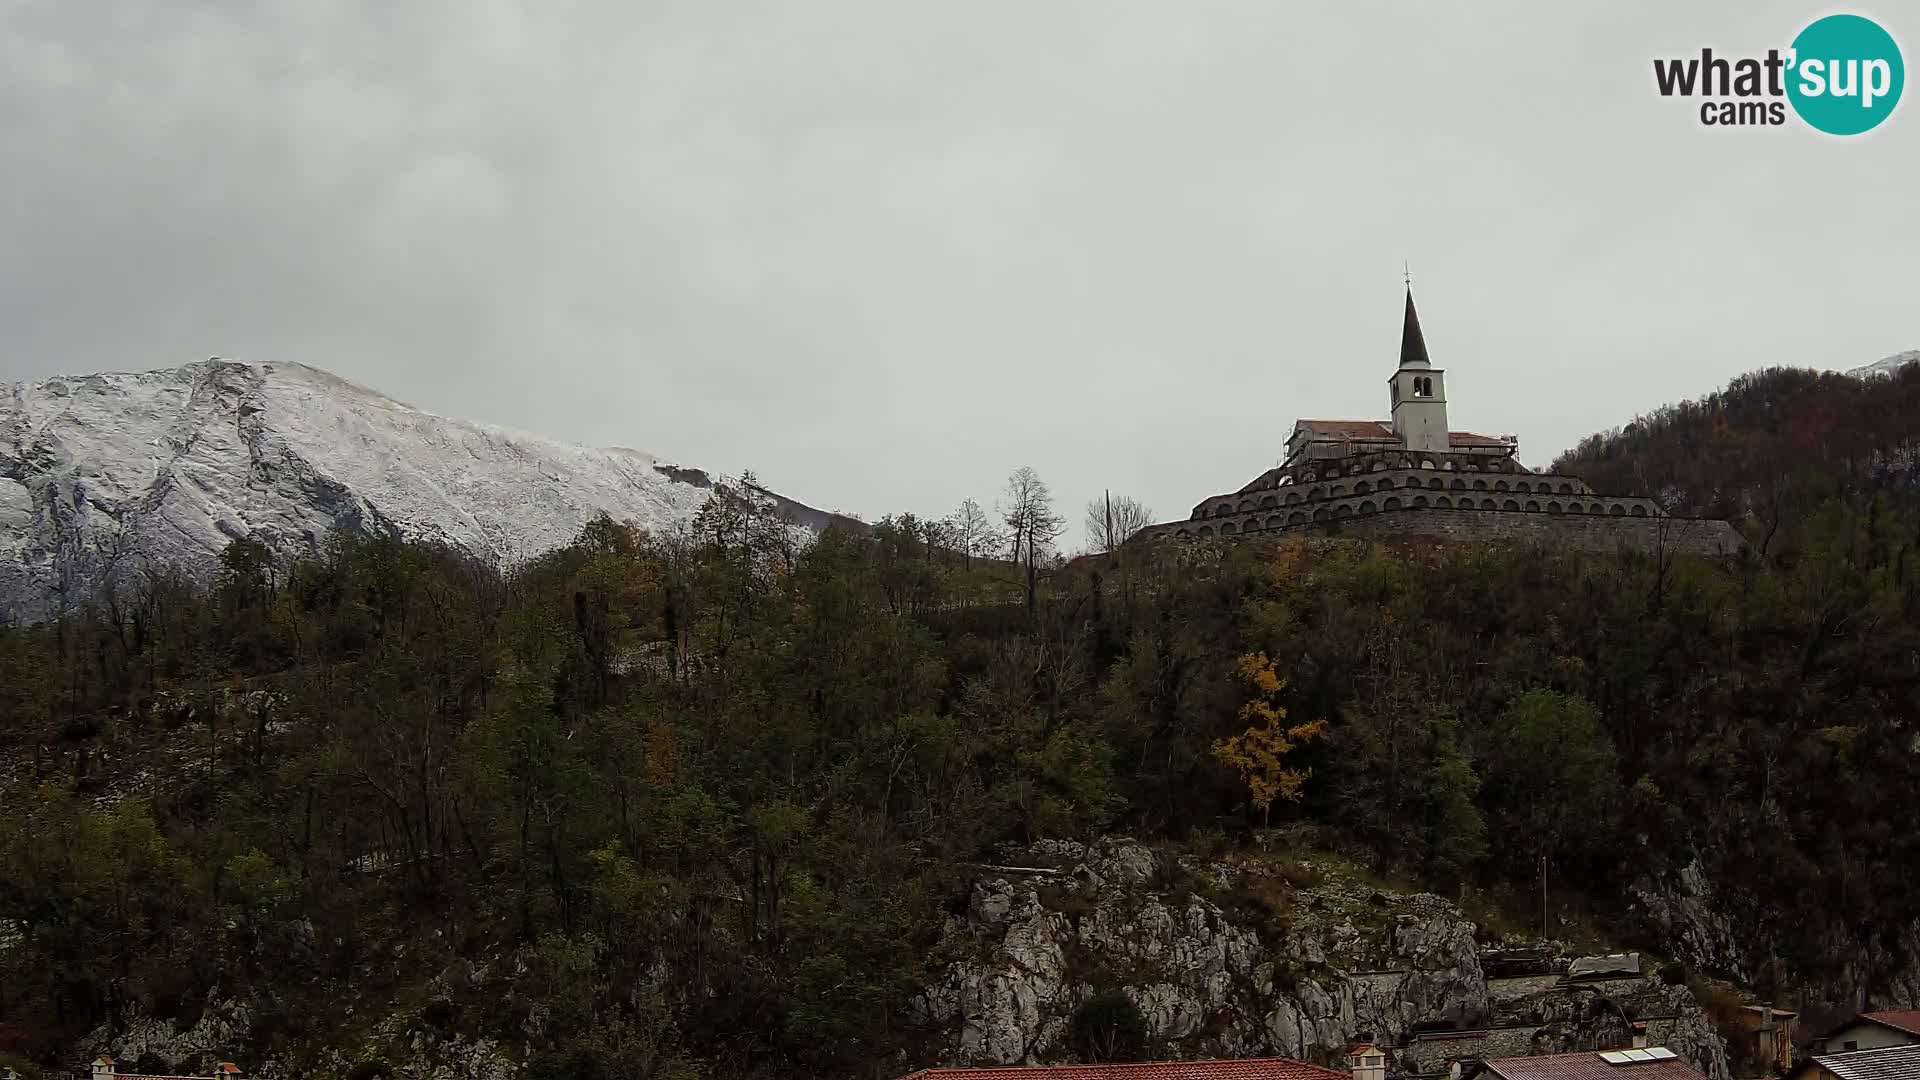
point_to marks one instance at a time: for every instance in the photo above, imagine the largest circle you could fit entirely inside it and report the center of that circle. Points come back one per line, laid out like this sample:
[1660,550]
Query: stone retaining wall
[1434,1053]
[1578,532]
[1519,988]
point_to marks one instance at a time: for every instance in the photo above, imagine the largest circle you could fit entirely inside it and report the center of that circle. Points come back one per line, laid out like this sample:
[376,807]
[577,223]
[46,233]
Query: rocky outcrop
[215,1036]
[1696,925]
[1233,959]
[1737,937]
[404,1047]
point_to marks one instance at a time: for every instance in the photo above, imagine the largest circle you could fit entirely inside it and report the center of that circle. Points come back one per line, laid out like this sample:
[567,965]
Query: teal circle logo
[1845,75]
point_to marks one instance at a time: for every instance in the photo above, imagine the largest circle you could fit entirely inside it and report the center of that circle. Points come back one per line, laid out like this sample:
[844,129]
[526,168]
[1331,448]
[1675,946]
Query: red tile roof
[1907,1020]
[1247,1069]
[1381,429]
[1468,438]
[1588,1065]
[1358,429]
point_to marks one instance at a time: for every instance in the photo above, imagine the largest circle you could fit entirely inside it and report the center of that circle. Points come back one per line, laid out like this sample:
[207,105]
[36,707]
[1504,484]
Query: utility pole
[1544,935]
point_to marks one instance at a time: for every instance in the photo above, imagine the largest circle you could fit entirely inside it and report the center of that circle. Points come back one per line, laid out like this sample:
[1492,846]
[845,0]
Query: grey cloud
[884,252]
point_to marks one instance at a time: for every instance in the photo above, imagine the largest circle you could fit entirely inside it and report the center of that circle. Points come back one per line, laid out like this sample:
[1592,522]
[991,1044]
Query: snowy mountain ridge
[102,474]
[1888,366]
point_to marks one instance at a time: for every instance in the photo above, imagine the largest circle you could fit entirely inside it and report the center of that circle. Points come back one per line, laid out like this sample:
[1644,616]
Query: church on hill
[1413,475]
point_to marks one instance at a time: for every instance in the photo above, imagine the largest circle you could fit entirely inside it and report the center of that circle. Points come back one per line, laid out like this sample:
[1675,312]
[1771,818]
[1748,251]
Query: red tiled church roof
[1468,438]
[1247,1069]
[1380,429]
[1357,429]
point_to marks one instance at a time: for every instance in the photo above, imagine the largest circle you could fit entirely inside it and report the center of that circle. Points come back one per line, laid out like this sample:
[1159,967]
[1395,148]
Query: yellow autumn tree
[1259,754]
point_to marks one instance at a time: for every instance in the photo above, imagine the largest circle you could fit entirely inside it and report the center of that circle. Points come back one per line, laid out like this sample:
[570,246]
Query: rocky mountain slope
[104,476]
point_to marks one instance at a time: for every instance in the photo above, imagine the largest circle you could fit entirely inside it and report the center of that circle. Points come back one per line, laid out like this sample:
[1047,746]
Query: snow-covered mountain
[1888,366]
[105,474]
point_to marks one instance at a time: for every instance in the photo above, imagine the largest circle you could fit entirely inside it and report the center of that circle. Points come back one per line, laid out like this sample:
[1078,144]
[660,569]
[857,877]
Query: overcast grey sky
[884,252]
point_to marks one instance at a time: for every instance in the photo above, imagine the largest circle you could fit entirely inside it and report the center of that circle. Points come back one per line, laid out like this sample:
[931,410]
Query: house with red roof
[1872,1030]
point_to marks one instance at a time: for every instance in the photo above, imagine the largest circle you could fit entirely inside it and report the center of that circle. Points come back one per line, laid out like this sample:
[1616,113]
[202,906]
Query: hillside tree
[1113,519]
[970,531]
[1032,525]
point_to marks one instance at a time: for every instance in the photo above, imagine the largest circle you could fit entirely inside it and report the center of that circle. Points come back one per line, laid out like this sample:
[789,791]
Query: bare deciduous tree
[1032,526]
[1112,521]
[970,531]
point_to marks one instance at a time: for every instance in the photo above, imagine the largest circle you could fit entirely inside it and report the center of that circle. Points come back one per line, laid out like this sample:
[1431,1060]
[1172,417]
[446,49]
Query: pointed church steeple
[1419,391]
[1413,345]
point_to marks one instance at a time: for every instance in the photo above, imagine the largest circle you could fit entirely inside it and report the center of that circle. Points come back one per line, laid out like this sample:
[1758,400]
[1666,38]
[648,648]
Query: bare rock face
[412,1051]
[1212,977]
[194,1050]
[1040,943]
[1707,928]
[1697,924]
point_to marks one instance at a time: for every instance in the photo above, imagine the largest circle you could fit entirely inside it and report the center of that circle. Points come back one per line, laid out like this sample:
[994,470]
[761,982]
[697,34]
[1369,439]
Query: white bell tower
[1419,391]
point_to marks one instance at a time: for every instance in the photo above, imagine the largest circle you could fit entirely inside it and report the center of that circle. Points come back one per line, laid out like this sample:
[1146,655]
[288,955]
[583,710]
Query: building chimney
[1367,1061]
[1639,1034]
[103,1068]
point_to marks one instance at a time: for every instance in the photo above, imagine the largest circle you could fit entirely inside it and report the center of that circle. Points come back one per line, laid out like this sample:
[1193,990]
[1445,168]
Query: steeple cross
[1409,275]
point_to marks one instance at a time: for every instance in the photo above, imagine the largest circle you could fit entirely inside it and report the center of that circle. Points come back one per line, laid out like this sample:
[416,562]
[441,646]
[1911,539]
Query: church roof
[1413,344]
[1380,429]
[1354,429]
[1468,438]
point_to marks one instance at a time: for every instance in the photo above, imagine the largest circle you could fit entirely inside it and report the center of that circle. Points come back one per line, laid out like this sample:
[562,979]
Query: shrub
[1108,1027]
[577,1063]
[440,1014]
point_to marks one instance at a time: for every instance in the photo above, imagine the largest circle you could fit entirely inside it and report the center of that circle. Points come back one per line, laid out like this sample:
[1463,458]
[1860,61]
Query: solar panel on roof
[1614,1057]
[1661,1053]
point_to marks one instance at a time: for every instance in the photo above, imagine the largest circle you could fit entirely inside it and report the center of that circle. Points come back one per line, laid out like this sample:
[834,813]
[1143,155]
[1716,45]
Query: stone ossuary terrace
[1413,476]
[1320,491]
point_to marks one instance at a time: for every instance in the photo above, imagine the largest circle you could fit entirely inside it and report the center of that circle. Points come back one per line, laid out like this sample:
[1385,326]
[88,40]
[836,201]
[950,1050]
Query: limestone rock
[217,1036]
[1214,980]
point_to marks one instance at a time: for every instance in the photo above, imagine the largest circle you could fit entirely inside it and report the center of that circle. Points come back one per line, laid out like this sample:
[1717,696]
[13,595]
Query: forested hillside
[699,803]
[1743,452]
